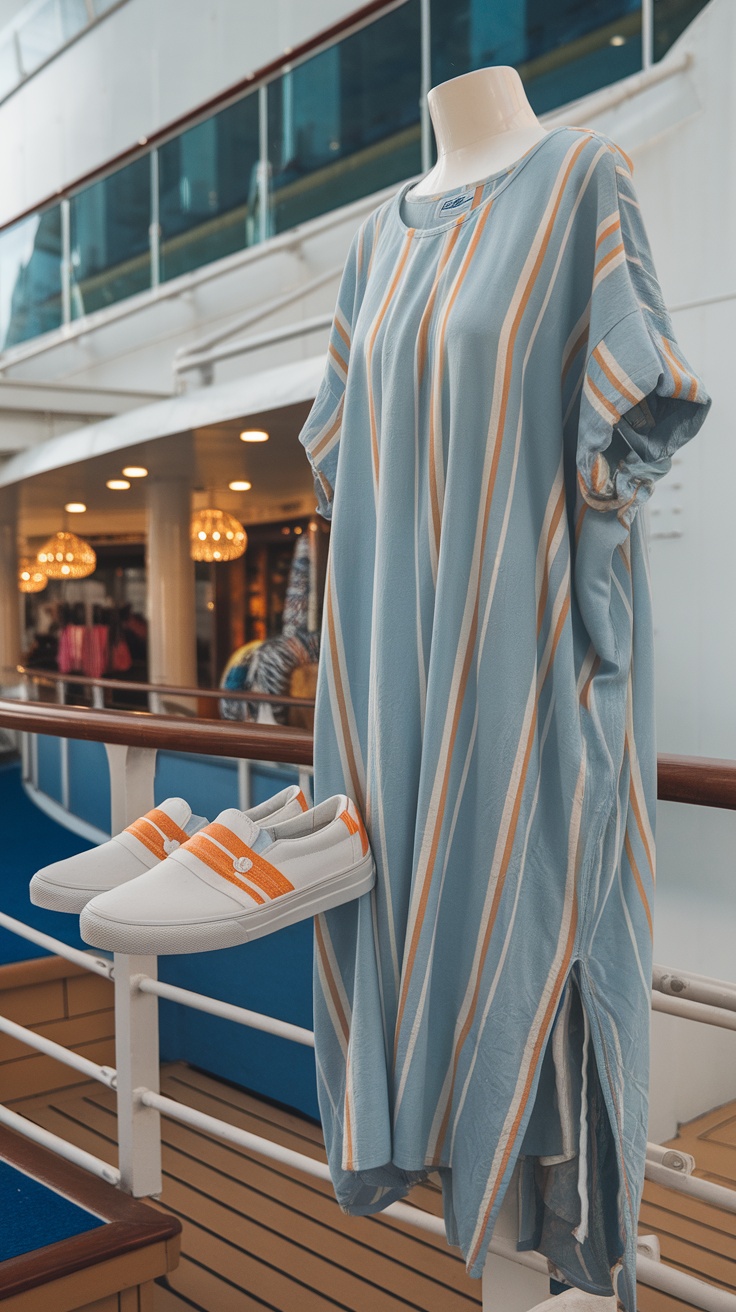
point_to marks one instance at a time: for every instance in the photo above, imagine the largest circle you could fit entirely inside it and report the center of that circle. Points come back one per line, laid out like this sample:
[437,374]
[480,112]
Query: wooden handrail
[165,689]
[697,780]
[260,742]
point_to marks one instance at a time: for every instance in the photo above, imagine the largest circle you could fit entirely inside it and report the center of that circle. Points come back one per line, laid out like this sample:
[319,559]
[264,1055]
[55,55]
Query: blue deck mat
[34,1215]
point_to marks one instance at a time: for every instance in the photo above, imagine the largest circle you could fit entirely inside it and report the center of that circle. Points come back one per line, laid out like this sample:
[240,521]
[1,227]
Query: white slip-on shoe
[236,880]
[70,884]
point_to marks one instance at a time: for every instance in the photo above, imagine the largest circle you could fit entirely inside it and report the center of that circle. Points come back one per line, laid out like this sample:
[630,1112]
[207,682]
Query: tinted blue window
[671,17]
[562,50]
[110,224]
[30,277]
[208,189]
[346,122]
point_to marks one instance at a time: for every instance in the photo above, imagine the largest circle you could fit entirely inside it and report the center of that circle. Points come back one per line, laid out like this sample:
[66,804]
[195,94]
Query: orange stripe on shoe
[356,827]
[301,799]
[146,830]
[259,872]
[219,861]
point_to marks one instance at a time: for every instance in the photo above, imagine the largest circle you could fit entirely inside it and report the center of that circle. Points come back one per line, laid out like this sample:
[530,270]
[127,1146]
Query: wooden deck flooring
[260,1235]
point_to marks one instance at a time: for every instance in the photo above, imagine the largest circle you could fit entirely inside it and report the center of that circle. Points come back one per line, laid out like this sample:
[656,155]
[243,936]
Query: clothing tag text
[455,203]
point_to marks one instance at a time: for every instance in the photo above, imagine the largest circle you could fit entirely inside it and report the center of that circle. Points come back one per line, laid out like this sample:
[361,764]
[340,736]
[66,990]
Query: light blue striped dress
[503,390]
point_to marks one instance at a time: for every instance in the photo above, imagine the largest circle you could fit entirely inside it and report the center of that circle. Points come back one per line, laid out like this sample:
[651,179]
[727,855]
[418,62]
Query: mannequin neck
[482,122]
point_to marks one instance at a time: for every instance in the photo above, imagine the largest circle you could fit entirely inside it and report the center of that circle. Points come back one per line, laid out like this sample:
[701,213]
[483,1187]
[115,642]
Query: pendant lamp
[31,578]
[217,536]
[66,556]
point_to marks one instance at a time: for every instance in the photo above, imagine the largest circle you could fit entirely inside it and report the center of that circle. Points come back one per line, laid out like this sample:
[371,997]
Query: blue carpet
[30,840]
[34,1215]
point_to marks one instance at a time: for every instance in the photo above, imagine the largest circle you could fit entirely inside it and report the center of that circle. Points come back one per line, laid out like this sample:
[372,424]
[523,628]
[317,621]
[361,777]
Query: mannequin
[483,123]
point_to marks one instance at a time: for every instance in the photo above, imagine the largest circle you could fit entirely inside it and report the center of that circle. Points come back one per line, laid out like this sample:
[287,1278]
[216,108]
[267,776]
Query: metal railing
[155,693]
[140,1103]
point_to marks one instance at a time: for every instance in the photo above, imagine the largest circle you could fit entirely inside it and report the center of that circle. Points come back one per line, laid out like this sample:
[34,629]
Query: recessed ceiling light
[117,484]
[617,40]
[135,471]
[75,507]
[254,435]
[240,485]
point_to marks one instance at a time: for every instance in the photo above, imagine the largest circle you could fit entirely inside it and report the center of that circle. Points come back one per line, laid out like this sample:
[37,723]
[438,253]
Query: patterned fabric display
[503,390]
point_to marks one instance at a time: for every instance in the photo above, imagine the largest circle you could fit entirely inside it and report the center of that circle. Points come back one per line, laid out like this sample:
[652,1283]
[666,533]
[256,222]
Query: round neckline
[511,171]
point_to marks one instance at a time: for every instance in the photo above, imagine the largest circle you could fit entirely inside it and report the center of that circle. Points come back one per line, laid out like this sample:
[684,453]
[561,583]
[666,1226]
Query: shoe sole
[209,936]
[55,897]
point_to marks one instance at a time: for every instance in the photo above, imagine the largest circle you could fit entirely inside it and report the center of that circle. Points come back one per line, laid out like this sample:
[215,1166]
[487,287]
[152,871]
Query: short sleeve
[641,399]
[322,430]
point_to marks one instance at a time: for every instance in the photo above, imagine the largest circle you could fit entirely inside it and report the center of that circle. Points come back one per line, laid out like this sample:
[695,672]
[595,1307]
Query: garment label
[455,202]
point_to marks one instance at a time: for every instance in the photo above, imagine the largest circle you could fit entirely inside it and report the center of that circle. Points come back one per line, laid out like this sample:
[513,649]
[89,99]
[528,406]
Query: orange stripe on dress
[606,260]
[613,378]
[260,871]
[146,830]
[470,642]
[607,405]
[615,223]
[585,694]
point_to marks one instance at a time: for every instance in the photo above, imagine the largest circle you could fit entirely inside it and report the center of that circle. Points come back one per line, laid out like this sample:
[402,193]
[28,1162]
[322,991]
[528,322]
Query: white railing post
[132,771]
[136,1058]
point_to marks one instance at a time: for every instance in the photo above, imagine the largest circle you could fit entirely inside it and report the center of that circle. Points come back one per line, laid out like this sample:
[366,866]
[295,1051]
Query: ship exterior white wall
[144,65]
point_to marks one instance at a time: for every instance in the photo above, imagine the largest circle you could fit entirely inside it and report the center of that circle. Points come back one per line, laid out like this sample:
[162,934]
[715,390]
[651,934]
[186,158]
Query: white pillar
[10,652]
[172,642]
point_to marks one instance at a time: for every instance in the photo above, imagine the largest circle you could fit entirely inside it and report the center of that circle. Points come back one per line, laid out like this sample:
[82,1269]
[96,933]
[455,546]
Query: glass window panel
[562,50]
[40,36]
[9,71]
[110,252]
[207,189]
[671,17]
[30,277]
[346,122]
[74,18]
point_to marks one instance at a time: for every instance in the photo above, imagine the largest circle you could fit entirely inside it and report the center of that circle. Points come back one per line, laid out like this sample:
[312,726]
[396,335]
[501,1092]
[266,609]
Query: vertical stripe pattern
[485,433]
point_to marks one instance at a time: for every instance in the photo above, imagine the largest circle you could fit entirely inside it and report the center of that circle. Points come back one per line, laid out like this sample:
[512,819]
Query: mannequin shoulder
[596,145]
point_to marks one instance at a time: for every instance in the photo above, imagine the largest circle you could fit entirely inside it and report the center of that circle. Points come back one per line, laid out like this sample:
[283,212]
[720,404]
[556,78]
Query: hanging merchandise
[95,650]
[503,390]
[216,535]
[71,649]
[31,578]
[120,657]
[295,615]
[66,556]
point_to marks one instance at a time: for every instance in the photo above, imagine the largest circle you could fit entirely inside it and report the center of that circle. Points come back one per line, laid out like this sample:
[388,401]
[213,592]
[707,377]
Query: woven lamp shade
[215,535]
[65,556]
[31,578]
